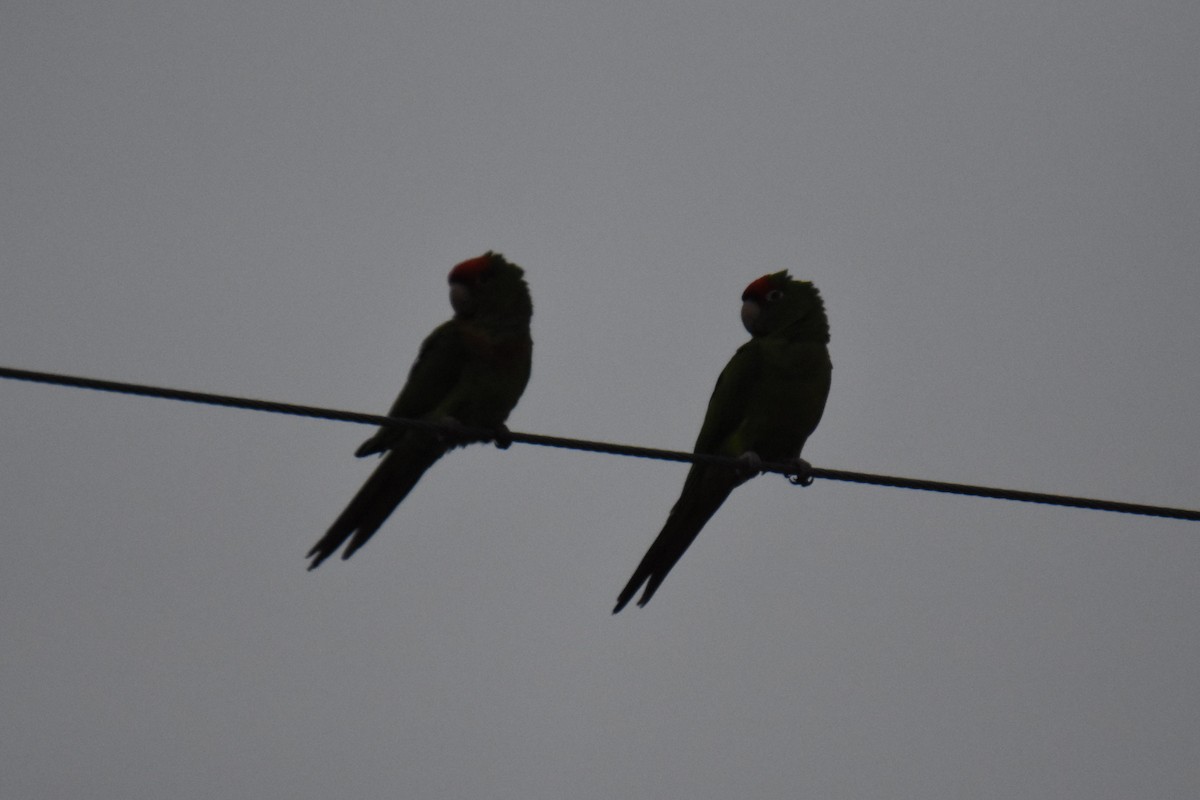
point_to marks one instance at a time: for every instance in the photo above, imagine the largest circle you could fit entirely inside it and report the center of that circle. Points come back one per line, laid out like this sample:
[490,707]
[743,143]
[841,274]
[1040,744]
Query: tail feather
[388,485]
[703,493]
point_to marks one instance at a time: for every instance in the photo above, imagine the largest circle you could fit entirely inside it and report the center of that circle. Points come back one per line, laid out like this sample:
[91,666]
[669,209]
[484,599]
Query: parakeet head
[780,304]
[489,286]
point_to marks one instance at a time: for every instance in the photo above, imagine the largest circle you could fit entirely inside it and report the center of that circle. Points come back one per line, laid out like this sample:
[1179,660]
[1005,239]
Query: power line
[503,438]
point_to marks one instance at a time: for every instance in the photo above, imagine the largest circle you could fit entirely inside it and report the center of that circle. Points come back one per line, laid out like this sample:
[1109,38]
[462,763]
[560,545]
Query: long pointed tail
[388,485]
[703,493]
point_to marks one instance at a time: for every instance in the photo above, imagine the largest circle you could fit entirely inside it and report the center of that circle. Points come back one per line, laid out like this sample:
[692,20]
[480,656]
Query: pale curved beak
[460,299]
[750,312]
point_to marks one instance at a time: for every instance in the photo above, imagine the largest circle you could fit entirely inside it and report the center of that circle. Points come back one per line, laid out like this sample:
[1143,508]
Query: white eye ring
[774,295]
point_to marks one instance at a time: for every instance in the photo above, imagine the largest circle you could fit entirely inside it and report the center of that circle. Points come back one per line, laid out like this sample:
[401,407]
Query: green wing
[435,374]
[706,486]
[730,401]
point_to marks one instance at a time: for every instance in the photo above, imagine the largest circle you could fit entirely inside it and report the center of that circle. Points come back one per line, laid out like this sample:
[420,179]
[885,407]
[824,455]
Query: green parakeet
[470,371]
[767,401]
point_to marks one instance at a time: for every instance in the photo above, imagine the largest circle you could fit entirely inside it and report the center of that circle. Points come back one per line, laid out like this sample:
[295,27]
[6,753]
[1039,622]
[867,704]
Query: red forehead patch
[470,270]
[758,289]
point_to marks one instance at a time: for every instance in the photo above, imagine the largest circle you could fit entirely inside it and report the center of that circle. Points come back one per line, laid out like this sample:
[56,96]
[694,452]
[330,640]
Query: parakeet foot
[502,437]
[802,475]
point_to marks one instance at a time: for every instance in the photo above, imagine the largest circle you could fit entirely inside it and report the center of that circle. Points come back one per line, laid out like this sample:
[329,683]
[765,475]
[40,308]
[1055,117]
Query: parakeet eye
[774,295]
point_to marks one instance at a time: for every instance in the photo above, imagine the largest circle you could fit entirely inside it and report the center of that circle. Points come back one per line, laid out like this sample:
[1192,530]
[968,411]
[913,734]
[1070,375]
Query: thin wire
[503,438]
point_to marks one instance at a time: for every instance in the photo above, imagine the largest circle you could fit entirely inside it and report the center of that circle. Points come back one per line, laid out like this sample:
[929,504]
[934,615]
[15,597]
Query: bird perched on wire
[767,402]
[470,373]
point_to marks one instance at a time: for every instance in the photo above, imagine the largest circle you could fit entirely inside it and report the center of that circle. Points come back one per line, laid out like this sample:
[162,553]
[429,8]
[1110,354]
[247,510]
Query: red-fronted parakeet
[767,401]
[470,372]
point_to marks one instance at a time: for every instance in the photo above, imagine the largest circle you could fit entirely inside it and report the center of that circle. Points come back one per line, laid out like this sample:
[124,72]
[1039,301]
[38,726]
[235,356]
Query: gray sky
[999,201]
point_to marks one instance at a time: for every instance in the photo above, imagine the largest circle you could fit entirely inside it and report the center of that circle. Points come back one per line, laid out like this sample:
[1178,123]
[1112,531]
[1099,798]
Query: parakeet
[470,372]
[767,401]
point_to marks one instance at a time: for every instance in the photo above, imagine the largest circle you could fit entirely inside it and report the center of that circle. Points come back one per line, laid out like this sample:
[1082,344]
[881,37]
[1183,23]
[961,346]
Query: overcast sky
[1000,203]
